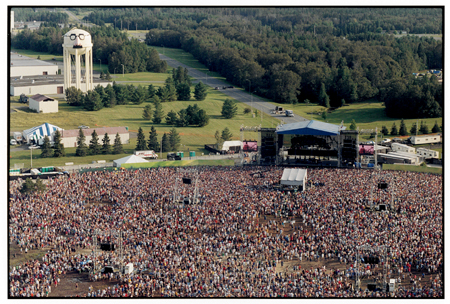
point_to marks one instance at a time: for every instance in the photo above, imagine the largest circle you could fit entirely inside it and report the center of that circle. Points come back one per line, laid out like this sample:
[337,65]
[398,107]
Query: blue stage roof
[310,127]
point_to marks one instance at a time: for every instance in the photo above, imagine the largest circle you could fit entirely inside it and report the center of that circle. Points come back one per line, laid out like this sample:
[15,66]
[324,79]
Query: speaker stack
[187,180]
[107,247]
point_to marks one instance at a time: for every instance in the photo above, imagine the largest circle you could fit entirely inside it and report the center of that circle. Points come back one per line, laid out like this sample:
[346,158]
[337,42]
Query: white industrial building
[396,147]
[43,104]
[21,66]
[69,137]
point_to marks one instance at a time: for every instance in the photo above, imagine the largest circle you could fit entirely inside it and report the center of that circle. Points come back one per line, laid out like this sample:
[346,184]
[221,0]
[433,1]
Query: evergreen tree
[324,115]
[158,113]
[203,118]
[342,102]
[92,101]
[110,97]
[171,118]
[413,129]
[39,186]
[226,134]
[394,130]
[153,143]
[139,95]
[81,144]
[74,97]
[28,186]
[229,109]
[436,128]
[182,120]
[402,131]
[183,92]
[247,110]
[384,131]
[108,76]
[46,150]
[324,99]
[106,146]
[117,147]
[58,147]
[200,91]
[151,91]
[174,139]
[423,127]
[147,113]
[141,143]
[218,139]
[353,125]
[165,143]
[94,146]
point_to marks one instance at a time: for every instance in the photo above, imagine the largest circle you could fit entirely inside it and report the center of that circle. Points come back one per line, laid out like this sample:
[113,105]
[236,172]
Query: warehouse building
[25,66]
[69,137]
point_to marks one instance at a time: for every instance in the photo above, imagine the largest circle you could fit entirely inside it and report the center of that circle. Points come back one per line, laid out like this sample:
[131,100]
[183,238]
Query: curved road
[238,94]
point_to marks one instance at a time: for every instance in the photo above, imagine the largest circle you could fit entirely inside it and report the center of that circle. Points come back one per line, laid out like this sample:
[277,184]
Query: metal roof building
[69,137]
[25,66]
[310,127]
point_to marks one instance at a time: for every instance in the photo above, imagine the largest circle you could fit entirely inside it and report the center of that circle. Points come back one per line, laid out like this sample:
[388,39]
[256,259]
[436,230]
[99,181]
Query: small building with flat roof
[25,66]
[43,104]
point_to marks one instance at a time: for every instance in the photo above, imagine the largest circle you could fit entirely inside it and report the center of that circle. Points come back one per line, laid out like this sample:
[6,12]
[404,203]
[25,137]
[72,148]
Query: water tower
[77,56]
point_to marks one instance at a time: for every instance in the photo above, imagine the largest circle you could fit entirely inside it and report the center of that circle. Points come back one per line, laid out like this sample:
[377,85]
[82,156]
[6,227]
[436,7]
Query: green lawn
[411,168]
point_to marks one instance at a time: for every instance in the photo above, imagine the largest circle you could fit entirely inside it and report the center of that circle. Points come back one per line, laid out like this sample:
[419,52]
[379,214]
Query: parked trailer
[146,154]
[427,153]
[396,147]
[425,139]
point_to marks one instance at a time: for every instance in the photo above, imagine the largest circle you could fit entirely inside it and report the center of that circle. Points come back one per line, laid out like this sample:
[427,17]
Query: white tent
[131,159]
[294,177]
[232,144]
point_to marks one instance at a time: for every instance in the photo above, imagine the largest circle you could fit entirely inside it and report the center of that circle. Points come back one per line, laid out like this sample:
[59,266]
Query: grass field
[422,169]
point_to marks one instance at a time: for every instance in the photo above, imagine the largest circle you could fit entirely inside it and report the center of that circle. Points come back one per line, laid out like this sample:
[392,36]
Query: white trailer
[146,154]
[391,285]
[18,137]
[425,139]
[427,153]
[396,147]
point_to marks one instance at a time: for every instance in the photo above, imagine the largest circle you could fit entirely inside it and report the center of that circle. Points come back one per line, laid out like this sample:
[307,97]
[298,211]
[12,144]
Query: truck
[129,268]
[18,137]
[289,113]
[278,110]
[146,154]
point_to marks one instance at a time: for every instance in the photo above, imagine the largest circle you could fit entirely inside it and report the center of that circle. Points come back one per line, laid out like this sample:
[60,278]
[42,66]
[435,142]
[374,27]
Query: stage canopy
[40,132]
[131,159]
[310,127]
[294,177]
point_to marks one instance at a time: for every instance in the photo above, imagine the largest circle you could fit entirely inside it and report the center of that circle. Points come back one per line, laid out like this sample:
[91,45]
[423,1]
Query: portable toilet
[192,153]
[181,154]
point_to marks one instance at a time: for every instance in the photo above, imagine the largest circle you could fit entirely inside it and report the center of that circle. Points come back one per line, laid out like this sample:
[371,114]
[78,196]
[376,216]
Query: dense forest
[25,14]
[329,56]
[110,46]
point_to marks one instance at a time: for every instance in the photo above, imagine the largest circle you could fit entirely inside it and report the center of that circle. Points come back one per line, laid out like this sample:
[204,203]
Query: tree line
[25,14]
[169,141]
[110,47]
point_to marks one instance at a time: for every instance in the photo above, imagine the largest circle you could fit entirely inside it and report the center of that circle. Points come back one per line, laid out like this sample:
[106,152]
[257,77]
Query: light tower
[77,56]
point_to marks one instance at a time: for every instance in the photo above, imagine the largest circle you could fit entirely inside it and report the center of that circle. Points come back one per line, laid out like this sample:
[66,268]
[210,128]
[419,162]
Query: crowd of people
[244,237]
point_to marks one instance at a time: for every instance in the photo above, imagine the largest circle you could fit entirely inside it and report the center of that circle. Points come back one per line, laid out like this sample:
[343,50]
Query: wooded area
[330,56]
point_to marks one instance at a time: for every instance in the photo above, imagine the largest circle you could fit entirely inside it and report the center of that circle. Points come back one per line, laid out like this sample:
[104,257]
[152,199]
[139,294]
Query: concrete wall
[71,142]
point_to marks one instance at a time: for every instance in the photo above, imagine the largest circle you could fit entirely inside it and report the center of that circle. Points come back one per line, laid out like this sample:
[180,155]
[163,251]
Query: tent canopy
[39,132]
[231,143]
[294,177]
[310,127]
[131,159]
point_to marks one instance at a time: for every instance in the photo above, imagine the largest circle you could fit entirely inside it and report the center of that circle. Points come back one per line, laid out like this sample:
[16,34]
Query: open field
[182,163]
[412,168]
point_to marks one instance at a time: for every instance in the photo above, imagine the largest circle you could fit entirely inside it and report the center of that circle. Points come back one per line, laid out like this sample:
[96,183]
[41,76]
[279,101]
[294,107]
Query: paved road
[238,94]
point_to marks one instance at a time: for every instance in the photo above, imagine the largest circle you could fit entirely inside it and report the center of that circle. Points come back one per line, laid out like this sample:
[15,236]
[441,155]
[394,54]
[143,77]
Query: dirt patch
[67,286]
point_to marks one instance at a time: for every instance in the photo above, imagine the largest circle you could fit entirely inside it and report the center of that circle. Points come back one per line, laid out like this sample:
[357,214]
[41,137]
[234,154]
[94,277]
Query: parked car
[370,142]
[397,140]
[34,147]
[230,87]
[83,127]
[173,156]
[13,142]
[385,141]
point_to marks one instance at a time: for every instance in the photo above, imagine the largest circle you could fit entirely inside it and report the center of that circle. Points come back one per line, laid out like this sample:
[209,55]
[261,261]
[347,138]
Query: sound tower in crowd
[349,154]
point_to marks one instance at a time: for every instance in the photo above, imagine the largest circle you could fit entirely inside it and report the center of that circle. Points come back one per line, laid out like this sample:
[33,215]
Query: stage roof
[310,127]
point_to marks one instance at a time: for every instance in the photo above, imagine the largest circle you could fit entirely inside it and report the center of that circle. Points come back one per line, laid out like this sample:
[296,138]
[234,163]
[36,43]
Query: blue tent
[310,127]
[39,132]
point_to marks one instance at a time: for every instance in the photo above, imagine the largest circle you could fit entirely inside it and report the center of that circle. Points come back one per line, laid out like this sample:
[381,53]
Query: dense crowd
[246,237]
